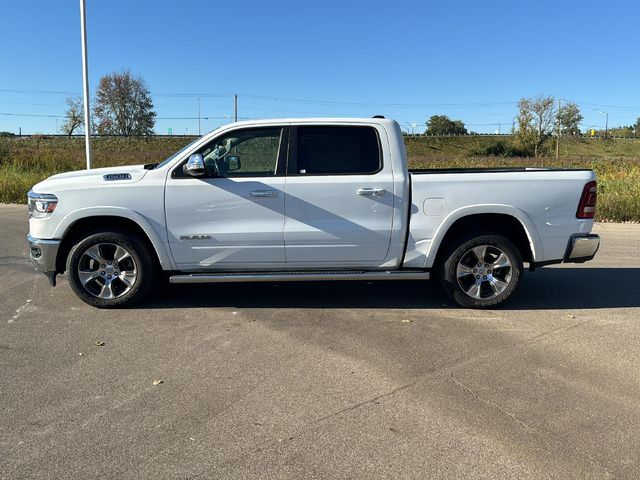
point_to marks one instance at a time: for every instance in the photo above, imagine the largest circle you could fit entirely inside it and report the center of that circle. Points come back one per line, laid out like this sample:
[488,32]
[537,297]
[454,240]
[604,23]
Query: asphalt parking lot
[340,380]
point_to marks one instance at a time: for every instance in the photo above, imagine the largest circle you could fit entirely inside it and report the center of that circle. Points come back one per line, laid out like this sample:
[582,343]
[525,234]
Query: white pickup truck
[306,200]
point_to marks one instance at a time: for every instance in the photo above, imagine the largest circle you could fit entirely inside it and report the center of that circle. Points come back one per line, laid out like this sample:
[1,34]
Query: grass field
[26,161]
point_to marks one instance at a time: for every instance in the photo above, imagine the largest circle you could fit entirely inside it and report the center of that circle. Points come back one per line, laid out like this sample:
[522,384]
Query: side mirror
[194,166]
[232,163]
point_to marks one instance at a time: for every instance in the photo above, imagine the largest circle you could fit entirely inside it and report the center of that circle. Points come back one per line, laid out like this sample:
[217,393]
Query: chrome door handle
[371,191]
[264,193]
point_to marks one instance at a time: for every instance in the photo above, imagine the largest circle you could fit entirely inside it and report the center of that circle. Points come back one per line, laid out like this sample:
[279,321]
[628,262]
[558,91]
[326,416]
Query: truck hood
[97,177]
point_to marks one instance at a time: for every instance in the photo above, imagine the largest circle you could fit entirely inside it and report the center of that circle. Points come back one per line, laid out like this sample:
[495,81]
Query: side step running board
[223,277]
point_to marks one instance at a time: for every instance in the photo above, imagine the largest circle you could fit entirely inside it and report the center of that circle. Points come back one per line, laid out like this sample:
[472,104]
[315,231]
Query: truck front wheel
[110,269]
[482,271]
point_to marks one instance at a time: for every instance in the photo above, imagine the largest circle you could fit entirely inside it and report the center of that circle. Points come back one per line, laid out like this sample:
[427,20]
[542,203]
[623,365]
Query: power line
[281,99]
[12,114]
[193,95]
[318,101]
[31,103]
[373,104]
[620,107]
[30,115]
[55,92]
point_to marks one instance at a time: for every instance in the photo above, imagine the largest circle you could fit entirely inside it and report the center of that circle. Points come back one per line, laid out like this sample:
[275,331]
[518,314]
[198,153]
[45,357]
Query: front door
[233,217]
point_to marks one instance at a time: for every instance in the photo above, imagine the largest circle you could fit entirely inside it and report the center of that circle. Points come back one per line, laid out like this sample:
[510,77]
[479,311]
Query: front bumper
[582,248]
[43,254]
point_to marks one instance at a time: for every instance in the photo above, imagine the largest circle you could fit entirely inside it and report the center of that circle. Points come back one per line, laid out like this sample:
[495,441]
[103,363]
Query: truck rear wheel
[482,271]
[110,269]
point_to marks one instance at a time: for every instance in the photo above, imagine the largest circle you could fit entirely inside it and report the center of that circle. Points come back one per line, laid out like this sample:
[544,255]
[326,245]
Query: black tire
[477,286]
[139,261]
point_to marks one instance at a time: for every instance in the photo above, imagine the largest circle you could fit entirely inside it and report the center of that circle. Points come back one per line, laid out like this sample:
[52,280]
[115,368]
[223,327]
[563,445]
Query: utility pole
[235,108]
[199,133]
[85,83]
[559,131]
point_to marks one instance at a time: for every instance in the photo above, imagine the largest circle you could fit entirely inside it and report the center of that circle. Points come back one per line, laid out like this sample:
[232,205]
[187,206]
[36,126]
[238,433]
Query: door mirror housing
[194,166]
[232,163]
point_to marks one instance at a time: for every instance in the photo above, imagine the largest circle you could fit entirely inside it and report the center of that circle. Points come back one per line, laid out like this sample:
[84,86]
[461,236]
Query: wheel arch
[498,219]
[74,228]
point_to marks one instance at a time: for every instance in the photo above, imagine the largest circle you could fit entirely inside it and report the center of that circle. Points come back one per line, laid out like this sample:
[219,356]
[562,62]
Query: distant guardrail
[420,135]
[425,135]
[81,136]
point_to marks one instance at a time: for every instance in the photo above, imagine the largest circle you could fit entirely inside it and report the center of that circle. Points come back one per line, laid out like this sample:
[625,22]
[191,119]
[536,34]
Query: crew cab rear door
[233,217]
[339,201]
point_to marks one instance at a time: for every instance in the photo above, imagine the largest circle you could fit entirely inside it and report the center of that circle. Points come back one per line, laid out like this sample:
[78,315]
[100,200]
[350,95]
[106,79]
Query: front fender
[155,231]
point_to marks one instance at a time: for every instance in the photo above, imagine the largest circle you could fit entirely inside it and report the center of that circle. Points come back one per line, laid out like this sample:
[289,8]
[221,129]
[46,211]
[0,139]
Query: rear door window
[337,150]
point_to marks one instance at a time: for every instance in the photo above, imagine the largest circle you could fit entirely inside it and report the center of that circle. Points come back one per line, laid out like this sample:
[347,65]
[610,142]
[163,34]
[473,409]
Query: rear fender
[529,228]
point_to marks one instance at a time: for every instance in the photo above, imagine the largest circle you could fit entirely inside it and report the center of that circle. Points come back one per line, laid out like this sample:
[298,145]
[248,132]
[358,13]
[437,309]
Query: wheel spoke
[497,285]
[501,262]
[463,270]
[474,291]
[87,276]
[106,292]
[120,254]
[480,252]
[128,278]
[95,253]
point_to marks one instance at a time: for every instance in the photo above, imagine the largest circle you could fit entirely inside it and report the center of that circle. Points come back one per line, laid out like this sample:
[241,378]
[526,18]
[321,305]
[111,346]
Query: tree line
[122,105]
[538,120]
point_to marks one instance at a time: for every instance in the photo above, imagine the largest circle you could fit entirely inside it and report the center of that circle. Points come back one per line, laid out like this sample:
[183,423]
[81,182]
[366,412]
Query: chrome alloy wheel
[107,271]
[484,272]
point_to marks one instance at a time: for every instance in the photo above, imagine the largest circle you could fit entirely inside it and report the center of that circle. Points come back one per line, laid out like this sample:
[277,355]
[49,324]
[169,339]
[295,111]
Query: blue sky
[471,60]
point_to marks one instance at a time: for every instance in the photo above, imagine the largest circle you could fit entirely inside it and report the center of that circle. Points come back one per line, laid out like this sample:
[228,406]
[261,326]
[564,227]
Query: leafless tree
[74,116]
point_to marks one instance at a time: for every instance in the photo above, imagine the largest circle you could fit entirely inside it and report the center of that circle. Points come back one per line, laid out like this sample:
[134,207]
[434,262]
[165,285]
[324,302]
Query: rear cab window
[336,150]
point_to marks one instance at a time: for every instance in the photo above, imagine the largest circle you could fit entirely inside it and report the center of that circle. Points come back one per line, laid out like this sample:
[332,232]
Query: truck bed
[422,171]
[544,200]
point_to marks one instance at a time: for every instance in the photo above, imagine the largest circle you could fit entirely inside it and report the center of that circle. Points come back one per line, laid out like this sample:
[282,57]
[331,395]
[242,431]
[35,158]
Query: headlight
[41,205]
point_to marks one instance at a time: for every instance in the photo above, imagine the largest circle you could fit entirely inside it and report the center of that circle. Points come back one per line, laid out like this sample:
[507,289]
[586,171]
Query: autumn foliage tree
[123,106]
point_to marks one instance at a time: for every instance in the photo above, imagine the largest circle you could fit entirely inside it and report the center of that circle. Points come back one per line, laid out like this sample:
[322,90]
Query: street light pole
[235,108]
[85,83]
[413,128]
[559,131]
[606,122]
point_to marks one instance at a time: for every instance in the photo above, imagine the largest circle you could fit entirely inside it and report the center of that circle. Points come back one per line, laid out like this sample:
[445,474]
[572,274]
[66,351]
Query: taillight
[587,205]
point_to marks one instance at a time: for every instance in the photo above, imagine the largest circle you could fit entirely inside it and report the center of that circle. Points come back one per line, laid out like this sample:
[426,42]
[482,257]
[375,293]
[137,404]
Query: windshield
[178,153]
